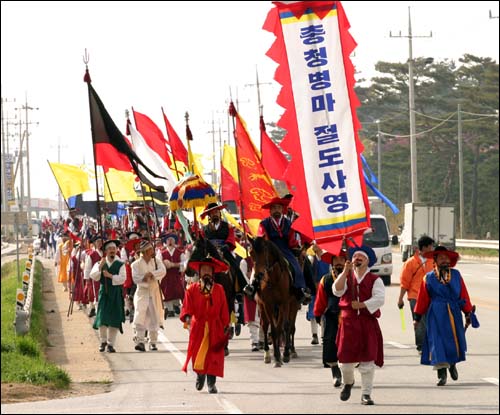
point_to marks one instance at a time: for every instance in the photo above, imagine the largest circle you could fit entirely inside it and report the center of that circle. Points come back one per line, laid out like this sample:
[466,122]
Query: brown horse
[277,305]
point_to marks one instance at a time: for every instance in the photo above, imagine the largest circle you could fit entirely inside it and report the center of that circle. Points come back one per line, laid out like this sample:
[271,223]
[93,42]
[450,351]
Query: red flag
[109,157]
[179,152]
[257,185]
[273,160]
[152,135]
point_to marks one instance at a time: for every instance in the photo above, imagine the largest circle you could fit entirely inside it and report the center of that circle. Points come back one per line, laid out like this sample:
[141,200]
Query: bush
[28,347]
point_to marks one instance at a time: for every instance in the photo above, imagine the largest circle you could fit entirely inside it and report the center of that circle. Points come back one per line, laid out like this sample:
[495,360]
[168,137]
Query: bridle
[266,275]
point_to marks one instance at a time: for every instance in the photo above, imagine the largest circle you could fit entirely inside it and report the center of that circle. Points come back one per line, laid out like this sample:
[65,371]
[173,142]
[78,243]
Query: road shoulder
[72,345]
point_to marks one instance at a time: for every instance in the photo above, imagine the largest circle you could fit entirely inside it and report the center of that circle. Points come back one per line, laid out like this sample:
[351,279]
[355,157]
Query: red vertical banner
[255,184]
[312,48]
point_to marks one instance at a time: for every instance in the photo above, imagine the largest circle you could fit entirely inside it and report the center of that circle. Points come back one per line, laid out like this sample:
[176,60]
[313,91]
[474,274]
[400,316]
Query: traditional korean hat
[218,266]
[327,257]
[165,236]
[96,237]
[277,201]
[144,245]
[212,207]
[116,242]
[366,250]
[131,244]
[442,250]
[133,235]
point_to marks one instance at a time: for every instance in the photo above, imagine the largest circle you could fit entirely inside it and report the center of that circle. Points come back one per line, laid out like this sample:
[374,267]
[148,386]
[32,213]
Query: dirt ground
[73,346]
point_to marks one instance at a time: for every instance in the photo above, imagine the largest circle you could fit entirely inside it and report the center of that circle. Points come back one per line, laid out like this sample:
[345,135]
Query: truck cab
[378,239]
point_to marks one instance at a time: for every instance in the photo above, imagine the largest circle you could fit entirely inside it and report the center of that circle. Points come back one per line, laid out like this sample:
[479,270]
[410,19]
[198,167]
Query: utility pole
[460,171]
[5,204]
[221,144]
[413,143]
[26,107]
[257,85]
[8,177]
[379,155]
[21,161]
[214,171]
[59,200]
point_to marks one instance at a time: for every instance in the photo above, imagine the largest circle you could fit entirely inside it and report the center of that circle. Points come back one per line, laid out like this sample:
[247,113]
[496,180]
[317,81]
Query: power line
[421,133]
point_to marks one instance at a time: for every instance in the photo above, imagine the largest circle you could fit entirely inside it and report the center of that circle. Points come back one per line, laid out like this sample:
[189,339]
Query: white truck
[436,221]
[378,239]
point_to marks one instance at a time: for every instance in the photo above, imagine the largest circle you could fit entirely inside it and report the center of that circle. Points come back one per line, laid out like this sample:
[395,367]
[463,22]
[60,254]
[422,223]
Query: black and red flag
[108,140]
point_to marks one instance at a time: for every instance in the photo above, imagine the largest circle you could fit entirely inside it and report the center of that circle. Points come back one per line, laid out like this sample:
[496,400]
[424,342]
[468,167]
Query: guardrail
[471,243]
[24,298]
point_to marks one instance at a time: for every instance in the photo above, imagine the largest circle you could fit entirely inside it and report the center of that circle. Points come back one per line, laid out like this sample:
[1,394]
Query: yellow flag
[72,180]
[119,186]
[239,250]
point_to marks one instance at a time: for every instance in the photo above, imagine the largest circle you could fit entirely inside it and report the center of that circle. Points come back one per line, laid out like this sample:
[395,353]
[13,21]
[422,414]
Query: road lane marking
[399,345]
[228,406]
[224,403]
[491,380]
[170,347]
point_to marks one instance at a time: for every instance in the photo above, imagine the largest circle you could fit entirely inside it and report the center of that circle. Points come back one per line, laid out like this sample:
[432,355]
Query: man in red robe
[204,309]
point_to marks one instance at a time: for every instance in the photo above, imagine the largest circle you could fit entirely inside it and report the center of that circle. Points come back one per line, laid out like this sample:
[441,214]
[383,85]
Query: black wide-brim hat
[210,208]
[110,241]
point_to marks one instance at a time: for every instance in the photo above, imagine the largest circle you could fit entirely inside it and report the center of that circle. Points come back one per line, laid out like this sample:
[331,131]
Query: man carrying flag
[359,339]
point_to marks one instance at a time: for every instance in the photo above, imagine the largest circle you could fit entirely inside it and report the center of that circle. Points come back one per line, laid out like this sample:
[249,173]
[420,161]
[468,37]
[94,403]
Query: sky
[187,56]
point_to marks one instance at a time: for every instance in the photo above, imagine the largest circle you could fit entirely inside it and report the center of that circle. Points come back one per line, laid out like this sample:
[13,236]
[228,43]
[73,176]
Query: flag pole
[60,191]
[233,113]
[171,147]
[87,79]
[189,138]
[109,188]
[142,184]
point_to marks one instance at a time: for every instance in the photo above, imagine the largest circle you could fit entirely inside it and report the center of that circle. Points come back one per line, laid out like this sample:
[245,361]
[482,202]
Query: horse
[203,247]
[277,304]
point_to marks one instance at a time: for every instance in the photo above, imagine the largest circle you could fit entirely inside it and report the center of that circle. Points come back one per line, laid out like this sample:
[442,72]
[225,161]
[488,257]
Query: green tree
[439,88]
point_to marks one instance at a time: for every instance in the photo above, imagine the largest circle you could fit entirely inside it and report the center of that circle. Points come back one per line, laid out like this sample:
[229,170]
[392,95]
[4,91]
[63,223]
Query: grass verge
[486,252]
[22,357]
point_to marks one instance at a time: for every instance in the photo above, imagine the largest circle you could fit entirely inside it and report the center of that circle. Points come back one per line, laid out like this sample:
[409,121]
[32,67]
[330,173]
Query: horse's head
[266,255]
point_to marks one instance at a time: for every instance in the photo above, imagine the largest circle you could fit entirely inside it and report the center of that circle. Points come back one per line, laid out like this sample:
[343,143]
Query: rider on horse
[221,234]
[278,229]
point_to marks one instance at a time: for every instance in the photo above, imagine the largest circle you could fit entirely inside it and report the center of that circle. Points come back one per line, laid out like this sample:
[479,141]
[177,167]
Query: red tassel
[232,109]
[262,125]
[86,78]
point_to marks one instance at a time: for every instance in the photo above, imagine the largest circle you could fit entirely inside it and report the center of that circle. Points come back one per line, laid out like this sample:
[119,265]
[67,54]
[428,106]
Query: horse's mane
[200,244]
[260,245]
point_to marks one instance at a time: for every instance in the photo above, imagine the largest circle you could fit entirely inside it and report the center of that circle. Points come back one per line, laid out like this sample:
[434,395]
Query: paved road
[152,382]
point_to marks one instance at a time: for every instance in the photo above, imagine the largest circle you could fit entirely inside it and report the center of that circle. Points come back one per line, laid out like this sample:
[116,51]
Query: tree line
[440,86]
